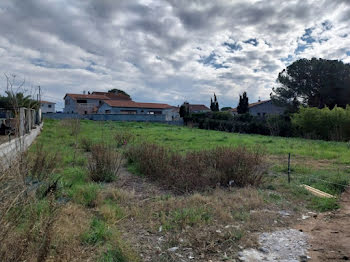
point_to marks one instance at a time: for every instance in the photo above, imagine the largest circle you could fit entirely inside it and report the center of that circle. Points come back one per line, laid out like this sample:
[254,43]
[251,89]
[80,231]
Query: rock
[303,217]
[173,249]
[264,250]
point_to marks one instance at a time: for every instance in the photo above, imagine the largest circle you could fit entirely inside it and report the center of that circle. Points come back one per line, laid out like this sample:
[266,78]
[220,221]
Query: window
[264,114]
[258,114]
[81,101]
[49,106]
[85,112]
[129,112]
[107,111]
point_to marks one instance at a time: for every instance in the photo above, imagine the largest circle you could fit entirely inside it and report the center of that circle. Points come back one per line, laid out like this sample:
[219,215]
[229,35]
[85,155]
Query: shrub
[104,163]
[200,169]
[86,144]
[323,123]
[41,163]
[123,138]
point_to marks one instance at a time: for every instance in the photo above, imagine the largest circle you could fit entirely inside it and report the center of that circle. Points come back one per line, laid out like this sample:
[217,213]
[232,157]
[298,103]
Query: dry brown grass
[104,163]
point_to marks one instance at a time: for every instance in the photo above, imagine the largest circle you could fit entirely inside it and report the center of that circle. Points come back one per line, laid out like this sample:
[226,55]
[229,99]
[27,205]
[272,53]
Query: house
[89,103]
[262,108]
[47,107]
[196,108]
[110,103]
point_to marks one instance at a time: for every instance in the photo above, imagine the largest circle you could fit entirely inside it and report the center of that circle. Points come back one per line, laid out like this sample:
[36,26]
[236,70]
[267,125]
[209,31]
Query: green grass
[183,139]
[97,234]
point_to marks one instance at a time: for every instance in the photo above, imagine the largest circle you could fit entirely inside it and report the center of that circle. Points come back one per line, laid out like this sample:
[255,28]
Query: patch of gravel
[285,246]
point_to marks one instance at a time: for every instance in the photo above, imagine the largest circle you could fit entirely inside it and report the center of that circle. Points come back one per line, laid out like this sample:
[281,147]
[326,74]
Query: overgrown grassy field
[129,218]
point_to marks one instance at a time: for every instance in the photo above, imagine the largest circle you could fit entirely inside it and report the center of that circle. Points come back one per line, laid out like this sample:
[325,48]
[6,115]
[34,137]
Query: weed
[97,234]
[113,255]
[85,194]
[104,163]
[324,204]
[200,169]
[86,144]
[123,138]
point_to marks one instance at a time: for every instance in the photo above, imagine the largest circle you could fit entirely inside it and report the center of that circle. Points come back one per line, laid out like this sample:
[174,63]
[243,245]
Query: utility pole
[39,93]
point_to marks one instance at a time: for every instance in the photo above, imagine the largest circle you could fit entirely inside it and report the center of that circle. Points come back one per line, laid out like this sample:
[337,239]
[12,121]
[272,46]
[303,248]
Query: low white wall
[9,150]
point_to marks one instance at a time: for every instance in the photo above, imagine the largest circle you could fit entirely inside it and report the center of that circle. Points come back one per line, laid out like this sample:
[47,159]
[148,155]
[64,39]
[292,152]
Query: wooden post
[289,168]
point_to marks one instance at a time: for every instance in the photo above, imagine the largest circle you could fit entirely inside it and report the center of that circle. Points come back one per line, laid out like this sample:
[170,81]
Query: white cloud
[156,50]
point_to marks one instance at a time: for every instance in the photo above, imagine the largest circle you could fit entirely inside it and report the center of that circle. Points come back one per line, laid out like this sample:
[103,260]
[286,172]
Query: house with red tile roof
[197,108]
[262,108]
[111,103]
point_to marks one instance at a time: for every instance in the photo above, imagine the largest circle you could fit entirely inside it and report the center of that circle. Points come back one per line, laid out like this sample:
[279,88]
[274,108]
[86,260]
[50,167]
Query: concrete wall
[72,107]
[267,108]
[110,117]
[10,150]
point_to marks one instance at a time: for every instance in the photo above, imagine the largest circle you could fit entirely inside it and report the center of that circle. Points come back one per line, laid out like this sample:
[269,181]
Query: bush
[123,138]
[104,163]
[86,144]
[41,163]
[323,123]
[200,169]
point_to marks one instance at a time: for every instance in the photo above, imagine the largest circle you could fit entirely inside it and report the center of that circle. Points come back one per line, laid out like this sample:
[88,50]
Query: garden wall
[9,150]
[112,117]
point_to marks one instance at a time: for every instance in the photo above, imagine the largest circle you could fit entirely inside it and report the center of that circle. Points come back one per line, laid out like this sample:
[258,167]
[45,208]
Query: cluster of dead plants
[73,125]
[123,138]
[22,207]
[225,166]
[104,163]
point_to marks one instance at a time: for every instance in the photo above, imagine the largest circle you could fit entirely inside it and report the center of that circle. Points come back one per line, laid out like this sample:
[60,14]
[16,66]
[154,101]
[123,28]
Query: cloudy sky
[166,50]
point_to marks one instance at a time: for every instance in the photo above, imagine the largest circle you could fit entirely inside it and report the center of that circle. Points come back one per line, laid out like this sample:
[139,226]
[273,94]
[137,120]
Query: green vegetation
[323,123]
[106,215]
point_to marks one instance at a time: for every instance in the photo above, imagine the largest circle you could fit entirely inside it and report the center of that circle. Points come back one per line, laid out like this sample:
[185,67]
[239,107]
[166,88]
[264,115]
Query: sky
[166,51]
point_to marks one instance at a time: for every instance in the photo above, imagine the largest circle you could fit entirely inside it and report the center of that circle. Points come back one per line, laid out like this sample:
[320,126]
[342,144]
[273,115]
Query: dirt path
[330,233]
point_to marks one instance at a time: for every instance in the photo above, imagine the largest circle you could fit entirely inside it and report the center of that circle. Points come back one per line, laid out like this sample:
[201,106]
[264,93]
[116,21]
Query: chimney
[84,92]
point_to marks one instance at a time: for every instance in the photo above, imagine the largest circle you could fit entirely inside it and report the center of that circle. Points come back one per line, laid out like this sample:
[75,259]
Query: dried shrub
[198,170]
[104,163]
[41,163]
[86,144]
[123,138]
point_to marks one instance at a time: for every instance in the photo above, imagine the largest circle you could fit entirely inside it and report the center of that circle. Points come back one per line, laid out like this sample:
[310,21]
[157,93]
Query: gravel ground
[285,245]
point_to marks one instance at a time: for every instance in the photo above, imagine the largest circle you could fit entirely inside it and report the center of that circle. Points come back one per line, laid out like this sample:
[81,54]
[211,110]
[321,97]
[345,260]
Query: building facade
[47,107]
[262,109]
[110,103]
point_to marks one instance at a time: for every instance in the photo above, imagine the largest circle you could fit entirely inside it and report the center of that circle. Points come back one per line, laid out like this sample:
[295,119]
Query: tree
[214,105]
[313,83]
[185,110]
[243,105]
[226,108]
[118,91]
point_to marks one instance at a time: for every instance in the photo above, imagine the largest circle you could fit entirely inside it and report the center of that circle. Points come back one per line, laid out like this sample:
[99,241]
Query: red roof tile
[194,107]
[124,103]
[89,96]
[46,102]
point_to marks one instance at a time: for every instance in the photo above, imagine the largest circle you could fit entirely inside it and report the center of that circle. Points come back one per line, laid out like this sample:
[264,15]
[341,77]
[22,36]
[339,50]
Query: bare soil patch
[330,233]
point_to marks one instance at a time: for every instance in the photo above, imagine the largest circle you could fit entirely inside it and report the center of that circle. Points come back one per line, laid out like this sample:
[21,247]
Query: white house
[47,107]
[262,108]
